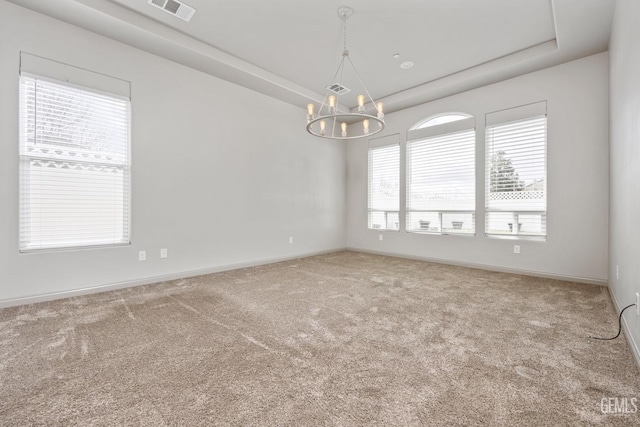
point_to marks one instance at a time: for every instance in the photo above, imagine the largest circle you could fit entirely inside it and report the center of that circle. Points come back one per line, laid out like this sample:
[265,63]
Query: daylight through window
[74,166]
[516,187]
[384,187]
[441,176]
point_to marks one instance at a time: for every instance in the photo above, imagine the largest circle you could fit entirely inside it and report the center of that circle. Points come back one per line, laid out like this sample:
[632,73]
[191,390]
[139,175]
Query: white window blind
[74,166]
[441,181]
[516,187]
[384,187]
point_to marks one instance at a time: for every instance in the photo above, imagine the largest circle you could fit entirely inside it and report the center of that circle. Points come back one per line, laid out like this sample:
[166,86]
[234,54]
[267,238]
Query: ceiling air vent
[176,8]
[338,89]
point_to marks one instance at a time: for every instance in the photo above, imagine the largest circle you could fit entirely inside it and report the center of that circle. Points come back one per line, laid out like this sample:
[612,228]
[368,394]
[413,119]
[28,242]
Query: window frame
[391,142]
[522,115]
[66,154]
[420,133]
[425,123]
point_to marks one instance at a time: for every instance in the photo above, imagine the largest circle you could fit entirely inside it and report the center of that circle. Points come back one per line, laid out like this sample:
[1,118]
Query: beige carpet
[340,339]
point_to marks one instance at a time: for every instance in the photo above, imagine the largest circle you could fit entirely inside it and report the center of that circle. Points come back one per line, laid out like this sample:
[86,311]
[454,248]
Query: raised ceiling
[289,49]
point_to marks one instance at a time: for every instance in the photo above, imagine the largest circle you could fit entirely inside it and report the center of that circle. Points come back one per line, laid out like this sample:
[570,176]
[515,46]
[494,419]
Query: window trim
[417,134]
[528,112]
[30,64]
[376,144]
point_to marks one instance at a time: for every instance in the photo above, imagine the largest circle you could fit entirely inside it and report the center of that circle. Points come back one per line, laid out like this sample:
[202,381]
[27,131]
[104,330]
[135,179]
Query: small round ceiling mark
[406,65]
[345,12]
[395,56]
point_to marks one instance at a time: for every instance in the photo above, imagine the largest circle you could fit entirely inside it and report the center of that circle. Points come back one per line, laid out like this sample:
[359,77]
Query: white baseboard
[489,267]
[627,332]
[192,273]
[154,279]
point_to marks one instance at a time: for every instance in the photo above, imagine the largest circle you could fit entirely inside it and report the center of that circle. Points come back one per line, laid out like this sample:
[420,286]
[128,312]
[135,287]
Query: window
[516,187]
[441,119]
[384,183]
[74,165]
[441,176]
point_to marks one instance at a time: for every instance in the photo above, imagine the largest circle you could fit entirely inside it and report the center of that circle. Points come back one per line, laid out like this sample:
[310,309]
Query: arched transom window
[440,172]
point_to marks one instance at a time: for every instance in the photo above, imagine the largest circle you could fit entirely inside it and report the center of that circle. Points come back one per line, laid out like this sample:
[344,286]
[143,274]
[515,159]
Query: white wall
[221,175]
[578,180]
[624,245]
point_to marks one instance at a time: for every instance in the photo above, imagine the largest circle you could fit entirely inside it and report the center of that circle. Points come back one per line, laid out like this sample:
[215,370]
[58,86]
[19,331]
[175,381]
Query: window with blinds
[384,186]
[74,165]
[441,176]
[516,186]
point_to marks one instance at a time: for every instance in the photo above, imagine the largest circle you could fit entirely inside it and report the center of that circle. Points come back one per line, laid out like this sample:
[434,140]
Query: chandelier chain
[344,29]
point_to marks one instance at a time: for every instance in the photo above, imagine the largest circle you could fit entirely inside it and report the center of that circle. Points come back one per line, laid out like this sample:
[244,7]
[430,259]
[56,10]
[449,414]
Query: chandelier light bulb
[360,103]
[365,126]
[323,126]
[332,104]
[344,129]
[309,112]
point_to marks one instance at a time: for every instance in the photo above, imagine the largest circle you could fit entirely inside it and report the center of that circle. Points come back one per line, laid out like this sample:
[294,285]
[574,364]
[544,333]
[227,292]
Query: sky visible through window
[440,120]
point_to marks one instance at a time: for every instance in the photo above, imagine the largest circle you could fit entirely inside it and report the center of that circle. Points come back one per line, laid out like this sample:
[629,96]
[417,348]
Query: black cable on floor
[619,326]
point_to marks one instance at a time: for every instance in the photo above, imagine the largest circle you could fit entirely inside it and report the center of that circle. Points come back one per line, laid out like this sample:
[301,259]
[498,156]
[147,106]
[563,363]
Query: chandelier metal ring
[338,118]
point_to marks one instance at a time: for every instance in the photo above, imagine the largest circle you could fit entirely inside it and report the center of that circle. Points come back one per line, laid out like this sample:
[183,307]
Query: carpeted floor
[344,339]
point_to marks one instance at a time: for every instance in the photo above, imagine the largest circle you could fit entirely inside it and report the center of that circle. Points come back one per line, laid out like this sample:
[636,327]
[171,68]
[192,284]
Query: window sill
[516,237]
[441,233]
[72,248]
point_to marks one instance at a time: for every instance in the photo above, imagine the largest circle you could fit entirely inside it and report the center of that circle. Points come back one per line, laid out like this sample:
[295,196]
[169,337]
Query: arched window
[441,177]
[441,119]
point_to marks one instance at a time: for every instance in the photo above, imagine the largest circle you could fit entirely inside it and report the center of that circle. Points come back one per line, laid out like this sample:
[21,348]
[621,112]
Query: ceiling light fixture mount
[328,122]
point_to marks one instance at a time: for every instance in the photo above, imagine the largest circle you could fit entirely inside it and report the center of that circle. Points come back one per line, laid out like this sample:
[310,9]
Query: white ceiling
[290,49]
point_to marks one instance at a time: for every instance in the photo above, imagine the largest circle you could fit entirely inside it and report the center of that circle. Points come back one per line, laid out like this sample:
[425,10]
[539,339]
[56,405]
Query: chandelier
[329,122]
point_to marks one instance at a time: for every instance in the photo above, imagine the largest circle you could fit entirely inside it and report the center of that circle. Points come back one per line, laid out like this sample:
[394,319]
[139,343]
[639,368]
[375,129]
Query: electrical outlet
[164,253]
[617,273]
[516,249]
[379,236]
[637,304]
[290,239]
[142,256]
